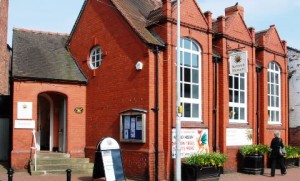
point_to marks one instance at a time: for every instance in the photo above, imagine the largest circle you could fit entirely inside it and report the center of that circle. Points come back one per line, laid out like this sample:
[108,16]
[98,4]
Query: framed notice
[132,126]
[24,110]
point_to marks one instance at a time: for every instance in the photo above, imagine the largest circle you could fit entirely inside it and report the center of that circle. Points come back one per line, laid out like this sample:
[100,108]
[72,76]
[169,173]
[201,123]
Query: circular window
[95,57]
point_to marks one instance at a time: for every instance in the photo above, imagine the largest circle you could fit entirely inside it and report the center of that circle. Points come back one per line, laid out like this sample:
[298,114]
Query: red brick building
[120,67]
[48,89]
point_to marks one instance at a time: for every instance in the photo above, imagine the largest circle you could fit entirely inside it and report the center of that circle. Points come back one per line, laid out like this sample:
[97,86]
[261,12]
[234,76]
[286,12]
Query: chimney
[252,33]
[166,8]
[208,16]
[221,24]
[234,9]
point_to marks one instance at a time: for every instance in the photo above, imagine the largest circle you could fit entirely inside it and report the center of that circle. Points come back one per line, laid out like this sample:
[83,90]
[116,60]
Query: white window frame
[194,50]
[237,104]
[273,70]
[95,58]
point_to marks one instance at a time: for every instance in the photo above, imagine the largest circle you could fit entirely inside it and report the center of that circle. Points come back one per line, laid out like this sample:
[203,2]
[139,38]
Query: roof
[42,56]
[136,13]
[139,15]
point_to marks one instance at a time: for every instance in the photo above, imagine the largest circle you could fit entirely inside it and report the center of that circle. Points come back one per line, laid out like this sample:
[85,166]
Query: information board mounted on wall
[132,126]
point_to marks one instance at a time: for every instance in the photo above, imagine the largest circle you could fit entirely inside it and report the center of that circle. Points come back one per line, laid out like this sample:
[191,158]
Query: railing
[34,148]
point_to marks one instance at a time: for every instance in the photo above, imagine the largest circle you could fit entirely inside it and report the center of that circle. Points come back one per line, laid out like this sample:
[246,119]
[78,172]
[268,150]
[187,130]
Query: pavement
[293,174]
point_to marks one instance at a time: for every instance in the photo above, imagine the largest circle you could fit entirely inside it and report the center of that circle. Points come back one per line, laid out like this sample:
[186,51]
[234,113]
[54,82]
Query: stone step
[40,161]
[56,163]
[52,155]
[74,171]
[62,166]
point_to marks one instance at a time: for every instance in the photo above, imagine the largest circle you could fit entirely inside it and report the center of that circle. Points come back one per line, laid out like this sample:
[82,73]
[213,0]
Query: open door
[51,127]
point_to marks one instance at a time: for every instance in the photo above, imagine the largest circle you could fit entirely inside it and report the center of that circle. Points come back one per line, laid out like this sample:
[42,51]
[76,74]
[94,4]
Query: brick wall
[29,92]
[4,52]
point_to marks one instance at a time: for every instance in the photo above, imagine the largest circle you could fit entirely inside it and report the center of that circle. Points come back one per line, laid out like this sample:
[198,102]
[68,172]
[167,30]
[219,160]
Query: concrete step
[57,163]
[52,155]
[41,161]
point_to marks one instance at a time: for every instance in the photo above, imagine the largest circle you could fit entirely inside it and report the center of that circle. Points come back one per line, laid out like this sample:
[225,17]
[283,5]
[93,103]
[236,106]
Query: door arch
[51,124]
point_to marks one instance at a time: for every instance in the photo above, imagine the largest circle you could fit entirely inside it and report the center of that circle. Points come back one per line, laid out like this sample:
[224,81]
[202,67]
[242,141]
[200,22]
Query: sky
[60,15]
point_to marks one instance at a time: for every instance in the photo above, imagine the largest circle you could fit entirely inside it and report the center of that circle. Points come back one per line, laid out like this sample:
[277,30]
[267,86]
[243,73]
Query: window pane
[194,47]
[272,116]
[181,57]
[187,59]
[276,78]
[187,110]
[231,114]
[242,113]
[276,67]
[195,112]
[236,82]
[230,82]
[181,73]
[195,61]
[195,91]
[272,89]
[272,77]
[277,116]
[230,96]
[277,101]
[195,76]
[277,90]
[236,96]
[187,43]
[242,97]
[187,75]
[187,90]
[181,90]
[236,113]
[242,83]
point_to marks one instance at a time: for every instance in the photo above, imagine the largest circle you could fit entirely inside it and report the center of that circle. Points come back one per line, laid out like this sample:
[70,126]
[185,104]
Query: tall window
[95,57]
[274,93]
[190,80]
[237,98]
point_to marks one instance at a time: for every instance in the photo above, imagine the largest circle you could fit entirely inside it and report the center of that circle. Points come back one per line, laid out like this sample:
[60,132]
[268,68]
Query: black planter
[195,173]
[253,164]
[288,162]
[291,162]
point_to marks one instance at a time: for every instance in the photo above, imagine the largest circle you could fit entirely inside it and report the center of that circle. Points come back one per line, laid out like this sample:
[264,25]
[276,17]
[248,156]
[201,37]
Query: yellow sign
[78,110]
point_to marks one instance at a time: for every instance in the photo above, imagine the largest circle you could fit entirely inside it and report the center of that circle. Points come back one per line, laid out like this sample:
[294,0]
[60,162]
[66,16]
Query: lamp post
[178,106]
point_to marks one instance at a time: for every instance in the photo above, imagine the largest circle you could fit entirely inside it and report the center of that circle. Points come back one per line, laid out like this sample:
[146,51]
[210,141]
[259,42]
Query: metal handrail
[34,148]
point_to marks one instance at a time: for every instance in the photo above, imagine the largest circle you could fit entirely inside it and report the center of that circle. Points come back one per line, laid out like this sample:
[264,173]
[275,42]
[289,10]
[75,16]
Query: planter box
[253,164]
[288,162]
[291,162]
[195,173]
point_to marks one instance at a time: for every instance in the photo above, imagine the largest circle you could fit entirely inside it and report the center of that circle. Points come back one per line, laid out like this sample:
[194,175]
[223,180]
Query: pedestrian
[276,157]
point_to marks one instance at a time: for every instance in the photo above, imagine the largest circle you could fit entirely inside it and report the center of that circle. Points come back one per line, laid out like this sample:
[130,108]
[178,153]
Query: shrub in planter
[253,158]
[203,166]
[292,156]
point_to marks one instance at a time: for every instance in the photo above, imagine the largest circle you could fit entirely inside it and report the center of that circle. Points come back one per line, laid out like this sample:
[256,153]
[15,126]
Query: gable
[236,27]
[190,13]
[272,40]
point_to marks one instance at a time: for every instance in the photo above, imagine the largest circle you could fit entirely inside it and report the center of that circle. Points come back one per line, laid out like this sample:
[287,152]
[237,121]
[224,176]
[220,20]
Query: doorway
[51,127]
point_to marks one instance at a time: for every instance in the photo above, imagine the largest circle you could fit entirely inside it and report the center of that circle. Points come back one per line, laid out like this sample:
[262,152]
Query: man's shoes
[283,173]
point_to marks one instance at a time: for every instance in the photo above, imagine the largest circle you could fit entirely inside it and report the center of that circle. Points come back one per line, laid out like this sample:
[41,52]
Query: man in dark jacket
[276,157]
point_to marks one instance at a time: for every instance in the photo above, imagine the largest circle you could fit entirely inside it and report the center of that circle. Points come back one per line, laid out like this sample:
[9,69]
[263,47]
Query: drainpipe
[216,60]
[156,109]
[258,70]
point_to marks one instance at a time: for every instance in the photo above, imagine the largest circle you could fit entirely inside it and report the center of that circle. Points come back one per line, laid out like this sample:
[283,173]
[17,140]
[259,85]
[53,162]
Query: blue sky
[60,15]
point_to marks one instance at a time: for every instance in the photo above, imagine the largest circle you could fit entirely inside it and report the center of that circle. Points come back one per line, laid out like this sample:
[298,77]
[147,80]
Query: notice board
[132,127]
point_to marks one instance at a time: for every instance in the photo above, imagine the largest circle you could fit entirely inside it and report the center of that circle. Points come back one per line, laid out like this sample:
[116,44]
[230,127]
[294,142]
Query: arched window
[274,93]
[95,57]
[190,80]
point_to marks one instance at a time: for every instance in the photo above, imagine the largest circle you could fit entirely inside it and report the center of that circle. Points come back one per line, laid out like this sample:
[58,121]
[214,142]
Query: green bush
[206,160]
[292,152]
[254,149]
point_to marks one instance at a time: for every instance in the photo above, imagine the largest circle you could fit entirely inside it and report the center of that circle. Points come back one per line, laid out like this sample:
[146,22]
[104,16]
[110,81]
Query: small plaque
[78,110]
